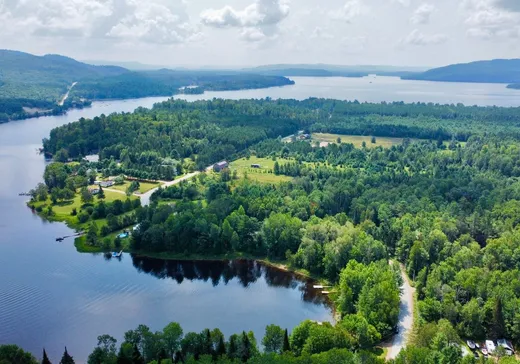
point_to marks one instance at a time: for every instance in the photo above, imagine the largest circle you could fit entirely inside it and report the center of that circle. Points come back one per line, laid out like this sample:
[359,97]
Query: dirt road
[406,317]
[66,96]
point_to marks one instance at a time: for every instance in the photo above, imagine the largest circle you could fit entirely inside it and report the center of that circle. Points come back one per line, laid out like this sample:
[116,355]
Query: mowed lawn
[264,173]
[64,209]
[357,140]
[143,186]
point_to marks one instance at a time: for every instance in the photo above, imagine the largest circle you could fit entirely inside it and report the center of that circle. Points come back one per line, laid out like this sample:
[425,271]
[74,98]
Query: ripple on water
[21,302]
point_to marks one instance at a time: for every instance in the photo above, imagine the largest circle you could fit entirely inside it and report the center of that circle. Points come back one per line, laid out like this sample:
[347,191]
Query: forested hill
[33,85]
[494,71]
[47,77]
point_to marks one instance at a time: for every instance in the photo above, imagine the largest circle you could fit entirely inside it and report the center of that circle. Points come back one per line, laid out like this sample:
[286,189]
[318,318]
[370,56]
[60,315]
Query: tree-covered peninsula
[433,188]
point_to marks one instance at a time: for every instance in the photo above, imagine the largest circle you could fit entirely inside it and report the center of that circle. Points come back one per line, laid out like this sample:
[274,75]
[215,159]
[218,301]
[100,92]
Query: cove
[52,296]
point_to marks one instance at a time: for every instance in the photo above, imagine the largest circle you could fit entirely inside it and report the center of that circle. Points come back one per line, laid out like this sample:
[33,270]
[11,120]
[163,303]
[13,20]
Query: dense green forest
[161,142]
[33,86]
[445,204]
[168,82]
[308,343]
[494,71]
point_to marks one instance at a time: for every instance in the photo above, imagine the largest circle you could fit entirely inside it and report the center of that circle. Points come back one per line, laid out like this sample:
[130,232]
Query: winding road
[406,317]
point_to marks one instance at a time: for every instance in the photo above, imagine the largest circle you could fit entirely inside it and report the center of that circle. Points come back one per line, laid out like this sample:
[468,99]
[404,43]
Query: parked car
[490,346]
[471,344]
[484,352]
[503,343]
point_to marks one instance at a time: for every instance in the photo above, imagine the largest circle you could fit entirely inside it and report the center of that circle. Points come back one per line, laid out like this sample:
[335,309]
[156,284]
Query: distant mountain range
[327,70]
[494,71]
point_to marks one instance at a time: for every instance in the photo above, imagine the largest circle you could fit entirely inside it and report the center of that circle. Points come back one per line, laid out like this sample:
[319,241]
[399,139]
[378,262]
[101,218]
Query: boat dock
[69,236]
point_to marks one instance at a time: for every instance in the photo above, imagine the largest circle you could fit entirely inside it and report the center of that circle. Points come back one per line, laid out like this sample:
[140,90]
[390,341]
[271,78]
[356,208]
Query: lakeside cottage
[220,166]
[105,184]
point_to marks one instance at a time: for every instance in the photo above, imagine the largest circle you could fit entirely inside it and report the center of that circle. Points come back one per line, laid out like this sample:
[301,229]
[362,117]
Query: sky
[255,32]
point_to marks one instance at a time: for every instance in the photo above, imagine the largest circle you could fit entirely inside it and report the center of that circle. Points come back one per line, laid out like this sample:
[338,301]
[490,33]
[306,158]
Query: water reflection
[246,272]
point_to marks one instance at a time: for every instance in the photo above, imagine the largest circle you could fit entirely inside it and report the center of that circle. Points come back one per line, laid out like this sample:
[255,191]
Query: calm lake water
[378,89]
[52,296]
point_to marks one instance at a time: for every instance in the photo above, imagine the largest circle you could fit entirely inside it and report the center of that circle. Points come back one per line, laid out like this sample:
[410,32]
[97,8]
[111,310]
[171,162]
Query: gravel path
[406,317]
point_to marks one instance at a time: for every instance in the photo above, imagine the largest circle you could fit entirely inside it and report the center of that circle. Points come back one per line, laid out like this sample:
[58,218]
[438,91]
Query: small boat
[116,254]
[60,239]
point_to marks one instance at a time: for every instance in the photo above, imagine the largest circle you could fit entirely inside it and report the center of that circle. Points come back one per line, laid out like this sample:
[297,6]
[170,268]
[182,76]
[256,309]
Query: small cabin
[257,166]
[220,166]
[93,190]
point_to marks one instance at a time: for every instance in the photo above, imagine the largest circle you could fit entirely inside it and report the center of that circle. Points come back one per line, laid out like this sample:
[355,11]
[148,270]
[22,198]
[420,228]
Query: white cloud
[151,21]
[422,14]
[319,32]
[479,33]
[351,10]
[252,35]
[258,22]
[405,3]
[260,13]
[419,39]
[489,19]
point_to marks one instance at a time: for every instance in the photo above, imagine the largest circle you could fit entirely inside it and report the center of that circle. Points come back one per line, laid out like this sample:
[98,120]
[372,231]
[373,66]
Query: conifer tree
[221,347]
[232,350]
[245,350]
[286,345]
[101,193]
[66,358]
[45,359]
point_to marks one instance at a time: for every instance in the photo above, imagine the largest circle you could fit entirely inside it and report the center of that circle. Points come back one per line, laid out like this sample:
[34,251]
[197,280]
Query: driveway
[406,317]
[145,197]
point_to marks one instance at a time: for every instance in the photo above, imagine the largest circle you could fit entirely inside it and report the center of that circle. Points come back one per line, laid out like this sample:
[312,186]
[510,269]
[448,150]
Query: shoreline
[86,249]
[65,109]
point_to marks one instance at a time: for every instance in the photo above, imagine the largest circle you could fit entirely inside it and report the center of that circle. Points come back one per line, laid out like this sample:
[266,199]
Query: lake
[52,296]
[379,89]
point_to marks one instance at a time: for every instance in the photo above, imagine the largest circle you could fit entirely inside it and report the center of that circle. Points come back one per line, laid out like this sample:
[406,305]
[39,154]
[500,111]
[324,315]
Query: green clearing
[264,174]
[357,140]
[143,186]
[62,211]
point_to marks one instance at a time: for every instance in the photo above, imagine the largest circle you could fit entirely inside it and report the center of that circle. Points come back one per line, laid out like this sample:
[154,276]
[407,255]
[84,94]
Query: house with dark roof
[220,166]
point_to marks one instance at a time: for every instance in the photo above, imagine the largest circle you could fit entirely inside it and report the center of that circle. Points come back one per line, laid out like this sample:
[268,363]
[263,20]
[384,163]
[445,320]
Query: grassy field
[143,186]
[357,140]
[264,173]
[62,210]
